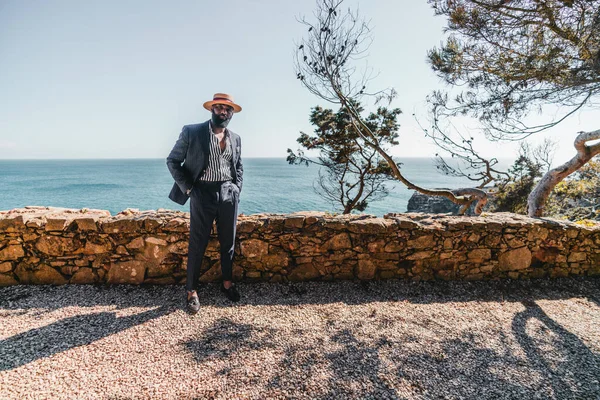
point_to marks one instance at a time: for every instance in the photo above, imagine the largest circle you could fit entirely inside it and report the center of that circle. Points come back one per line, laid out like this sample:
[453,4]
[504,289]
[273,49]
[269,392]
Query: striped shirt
[219,162]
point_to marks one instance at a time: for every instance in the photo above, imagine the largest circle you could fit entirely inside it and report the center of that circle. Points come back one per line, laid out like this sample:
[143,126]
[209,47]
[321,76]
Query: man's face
[221,115]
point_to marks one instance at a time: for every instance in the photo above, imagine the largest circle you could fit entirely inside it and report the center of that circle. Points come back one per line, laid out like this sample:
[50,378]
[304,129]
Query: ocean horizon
[271,185]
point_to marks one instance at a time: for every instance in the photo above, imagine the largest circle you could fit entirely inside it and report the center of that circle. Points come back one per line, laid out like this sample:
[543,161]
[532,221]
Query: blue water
[270,185]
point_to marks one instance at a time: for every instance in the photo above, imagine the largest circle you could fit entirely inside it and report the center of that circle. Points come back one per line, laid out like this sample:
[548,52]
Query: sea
[271,185]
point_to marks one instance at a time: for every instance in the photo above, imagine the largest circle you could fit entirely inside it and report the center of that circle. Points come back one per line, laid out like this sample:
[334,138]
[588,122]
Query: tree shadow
[571,368]
[393,365]
[78,330]
[226,338]
[387,365]
[67,334]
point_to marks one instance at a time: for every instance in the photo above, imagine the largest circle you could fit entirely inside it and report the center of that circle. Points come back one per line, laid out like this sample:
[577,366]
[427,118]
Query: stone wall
[41,245]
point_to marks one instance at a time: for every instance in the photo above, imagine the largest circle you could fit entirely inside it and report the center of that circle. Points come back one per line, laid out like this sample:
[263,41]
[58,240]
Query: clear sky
[118,79]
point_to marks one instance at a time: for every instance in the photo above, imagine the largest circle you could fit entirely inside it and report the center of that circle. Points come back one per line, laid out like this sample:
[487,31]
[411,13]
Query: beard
[220,121]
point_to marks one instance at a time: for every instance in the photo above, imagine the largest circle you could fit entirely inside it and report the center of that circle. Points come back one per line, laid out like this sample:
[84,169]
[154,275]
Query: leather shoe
[193,304]
[231,293]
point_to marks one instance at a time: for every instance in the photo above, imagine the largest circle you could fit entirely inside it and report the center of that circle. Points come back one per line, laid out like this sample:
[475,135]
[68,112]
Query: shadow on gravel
[348,292]
[570,367]
[226,338]
[541,359]
[78,330]
[66,334]
[556,364]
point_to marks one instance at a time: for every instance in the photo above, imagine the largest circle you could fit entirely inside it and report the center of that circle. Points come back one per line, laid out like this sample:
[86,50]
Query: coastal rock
[430,204]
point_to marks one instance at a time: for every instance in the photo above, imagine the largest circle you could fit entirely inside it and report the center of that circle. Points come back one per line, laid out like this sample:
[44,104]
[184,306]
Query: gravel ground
[382,340]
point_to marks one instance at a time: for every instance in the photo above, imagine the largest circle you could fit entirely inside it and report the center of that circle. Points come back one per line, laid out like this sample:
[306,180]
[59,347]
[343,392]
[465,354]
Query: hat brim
[208,105]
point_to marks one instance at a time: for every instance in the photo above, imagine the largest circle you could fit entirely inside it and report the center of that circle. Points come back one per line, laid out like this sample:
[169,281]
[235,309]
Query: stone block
[122,250]
[394,247]
[420,255]
[514,260]
[537,233]
[577,257]
[376,246]
[276,261]
[29,237]
[6,267]
[304,272]
[365,270]
[56,245]
[294,222]
[387,274]
[152,224]
[179,247]
[7,280]
[85,224]
[253,275]
[83,275]
[136,243]
[96,248]
[12,252]
[159,270]
[338,242]
[177,225]
[546,254]
[127,272]
[40,274]
[422,242]
[448,244]
[156,241]
[248,226]
[371,225]
[480,254]
[254,248]
[122,225]
[12,224]
[56,224]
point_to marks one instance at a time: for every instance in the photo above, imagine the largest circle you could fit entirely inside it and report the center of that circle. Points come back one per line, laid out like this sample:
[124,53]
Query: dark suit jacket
[189,158]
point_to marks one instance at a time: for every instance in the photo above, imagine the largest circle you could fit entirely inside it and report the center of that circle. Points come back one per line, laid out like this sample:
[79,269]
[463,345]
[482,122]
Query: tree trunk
[536,201]
[463,197]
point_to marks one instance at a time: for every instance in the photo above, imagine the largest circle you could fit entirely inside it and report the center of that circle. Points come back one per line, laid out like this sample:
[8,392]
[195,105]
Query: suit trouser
[209,202]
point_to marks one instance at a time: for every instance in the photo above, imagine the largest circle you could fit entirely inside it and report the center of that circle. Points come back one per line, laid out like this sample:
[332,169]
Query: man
[207,167]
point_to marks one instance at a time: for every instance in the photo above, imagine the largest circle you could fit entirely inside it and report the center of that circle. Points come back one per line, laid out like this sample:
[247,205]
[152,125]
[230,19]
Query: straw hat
[222,98]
